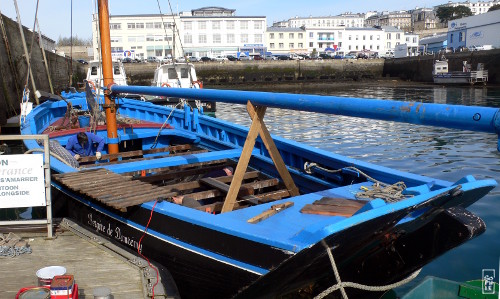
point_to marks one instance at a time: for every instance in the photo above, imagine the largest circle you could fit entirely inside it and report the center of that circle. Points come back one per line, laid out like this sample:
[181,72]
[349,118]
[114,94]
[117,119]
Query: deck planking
[93,261]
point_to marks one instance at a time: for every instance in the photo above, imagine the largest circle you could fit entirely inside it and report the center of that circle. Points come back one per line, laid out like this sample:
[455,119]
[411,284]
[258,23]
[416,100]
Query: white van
[386,54]
[294,56]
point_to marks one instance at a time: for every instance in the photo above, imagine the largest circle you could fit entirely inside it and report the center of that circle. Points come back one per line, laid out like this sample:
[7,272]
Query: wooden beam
[137,153]
[246,154]
[275,209]
[274,153]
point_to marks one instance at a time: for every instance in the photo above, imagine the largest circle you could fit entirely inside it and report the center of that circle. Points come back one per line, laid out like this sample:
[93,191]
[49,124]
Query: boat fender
[165,84]
[197,84]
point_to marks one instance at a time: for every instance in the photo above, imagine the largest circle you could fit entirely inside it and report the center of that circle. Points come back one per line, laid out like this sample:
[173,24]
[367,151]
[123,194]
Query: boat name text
[113,232]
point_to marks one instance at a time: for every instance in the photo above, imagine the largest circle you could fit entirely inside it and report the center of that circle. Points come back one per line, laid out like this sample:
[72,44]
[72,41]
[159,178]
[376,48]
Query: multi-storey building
[344,20]
[212,31]
[477,8]
[424,19]
[475,31]
[286,40]
[398,19]
[207,31]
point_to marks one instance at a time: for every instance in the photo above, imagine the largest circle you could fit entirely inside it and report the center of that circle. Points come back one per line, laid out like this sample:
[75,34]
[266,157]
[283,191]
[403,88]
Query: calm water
[436,152]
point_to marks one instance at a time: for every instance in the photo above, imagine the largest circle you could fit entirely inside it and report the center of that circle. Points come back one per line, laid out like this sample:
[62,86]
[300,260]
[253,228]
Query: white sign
[22,182]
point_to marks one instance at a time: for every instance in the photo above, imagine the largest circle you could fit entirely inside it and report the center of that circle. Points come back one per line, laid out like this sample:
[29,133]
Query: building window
[271,45]
[340,44]
[188,25]
[188,38]
[244,38]
[230,38]
[398,36]
[257,25]
[357,37]
[378,47]
[291,46]
[229,24]
[150,25]
[258,38]
[451,38]
[356,47]
[139,25]
[388,45]
[150,38]
[202,25]
[281,35]
[388,36]
[157,25]
[301,35]
[371,37]
[131,25]
[217,38]
[350,37]
[311,34]
[282,45]
[271,35]
[300,45]
[340,35]
[202,38]
[116,49]
[116,39]
[244,25]
[461,36]
[364,37]
[115,26]
[349,47]
[290,35]
[311,44]
[216,25]
[158,38]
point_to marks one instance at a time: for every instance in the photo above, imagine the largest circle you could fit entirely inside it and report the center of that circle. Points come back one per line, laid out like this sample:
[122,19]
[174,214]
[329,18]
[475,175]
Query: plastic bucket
[84,121]
[45,275]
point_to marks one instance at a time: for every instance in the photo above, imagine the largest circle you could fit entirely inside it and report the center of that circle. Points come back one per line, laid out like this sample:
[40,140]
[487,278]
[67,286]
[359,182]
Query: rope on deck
[342,285]
[12,245]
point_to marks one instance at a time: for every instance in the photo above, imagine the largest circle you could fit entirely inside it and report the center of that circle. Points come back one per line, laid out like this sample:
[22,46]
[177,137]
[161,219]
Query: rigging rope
[387,192]
[31,47]
[162,126]
[342,285]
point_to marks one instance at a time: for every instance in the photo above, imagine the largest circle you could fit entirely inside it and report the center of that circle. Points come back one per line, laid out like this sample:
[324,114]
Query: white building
[475,31]
[286,40]
[208,31]
[344,20]
[477,8]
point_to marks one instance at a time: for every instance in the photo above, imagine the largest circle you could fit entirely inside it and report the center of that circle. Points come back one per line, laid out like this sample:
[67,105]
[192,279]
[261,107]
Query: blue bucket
[84,121]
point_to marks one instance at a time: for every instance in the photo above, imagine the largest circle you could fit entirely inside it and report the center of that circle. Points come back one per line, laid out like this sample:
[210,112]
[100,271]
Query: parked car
[152,59]
[127,60]
[220,58]
[338,57]
[480,48]
[258,57]
[244,57]
[305,56]
[205,59]
[325,56]
[231,58]
[82,61]
[270,57]
[350,56]
[283,57]
[180,59]
[294,56]
[193,59]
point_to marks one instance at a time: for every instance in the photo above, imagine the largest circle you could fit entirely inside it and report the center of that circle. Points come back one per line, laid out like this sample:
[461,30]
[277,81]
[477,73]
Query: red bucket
[45,275]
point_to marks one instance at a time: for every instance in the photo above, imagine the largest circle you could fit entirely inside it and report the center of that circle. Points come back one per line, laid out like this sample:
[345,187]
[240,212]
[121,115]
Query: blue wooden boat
[273,240]
[291,218]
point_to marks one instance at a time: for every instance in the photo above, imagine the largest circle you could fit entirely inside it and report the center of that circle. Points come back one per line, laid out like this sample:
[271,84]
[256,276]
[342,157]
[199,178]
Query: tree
[461,12]
[445,13]
[448,13]
[66,41]
[494,7]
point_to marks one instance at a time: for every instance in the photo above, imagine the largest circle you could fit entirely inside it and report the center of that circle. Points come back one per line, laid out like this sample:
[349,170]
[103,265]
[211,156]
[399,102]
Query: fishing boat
[442,75]
[290,219]
[179,75]
[94,74]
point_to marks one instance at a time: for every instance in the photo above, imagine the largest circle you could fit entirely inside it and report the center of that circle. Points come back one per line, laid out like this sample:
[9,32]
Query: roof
[434,39]
[390,29]
[362,28]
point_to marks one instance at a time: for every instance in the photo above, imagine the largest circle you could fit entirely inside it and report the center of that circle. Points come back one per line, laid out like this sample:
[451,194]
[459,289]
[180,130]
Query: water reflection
[436,152]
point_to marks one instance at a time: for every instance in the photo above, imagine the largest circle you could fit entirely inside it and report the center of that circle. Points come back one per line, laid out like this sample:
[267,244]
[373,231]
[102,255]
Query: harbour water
[430,151]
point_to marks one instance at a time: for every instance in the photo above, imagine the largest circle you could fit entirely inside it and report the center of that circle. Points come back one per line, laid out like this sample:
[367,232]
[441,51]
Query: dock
[92,260]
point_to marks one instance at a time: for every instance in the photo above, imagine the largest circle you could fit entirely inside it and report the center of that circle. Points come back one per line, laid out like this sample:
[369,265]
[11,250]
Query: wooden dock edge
[166,287]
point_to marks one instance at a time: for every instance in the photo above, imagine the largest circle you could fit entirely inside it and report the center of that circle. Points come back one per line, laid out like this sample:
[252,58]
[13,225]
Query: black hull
[362,254]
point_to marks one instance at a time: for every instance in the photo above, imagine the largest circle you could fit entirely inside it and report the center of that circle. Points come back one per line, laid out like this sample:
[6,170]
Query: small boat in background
[179,75]
[442,75]
[95,78]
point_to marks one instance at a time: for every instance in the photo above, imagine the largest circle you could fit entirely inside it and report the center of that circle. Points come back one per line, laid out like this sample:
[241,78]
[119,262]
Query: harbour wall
[241,72]
[419,68]
[13,78]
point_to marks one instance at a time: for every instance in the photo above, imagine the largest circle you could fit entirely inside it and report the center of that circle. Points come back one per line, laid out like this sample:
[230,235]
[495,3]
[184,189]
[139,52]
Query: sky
[55,16]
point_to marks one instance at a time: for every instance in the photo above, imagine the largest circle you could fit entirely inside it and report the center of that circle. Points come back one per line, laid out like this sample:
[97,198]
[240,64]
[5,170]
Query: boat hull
[376,252]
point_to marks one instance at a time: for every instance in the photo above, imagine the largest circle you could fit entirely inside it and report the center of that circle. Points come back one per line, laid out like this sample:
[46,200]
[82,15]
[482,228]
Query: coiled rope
[342,285]
[12,245]
[387,192]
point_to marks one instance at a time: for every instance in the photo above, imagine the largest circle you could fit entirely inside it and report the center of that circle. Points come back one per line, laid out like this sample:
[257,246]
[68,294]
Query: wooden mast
[107,71]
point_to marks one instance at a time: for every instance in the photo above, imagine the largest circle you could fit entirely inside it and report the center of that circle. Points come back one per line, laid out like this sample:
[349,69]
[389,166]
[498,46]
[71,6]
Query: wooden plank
[334,207]
[246,154]
[222,162]
[142,159]
[274,153]
[178,174]
[275,209]
[137,153]
[272,196]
